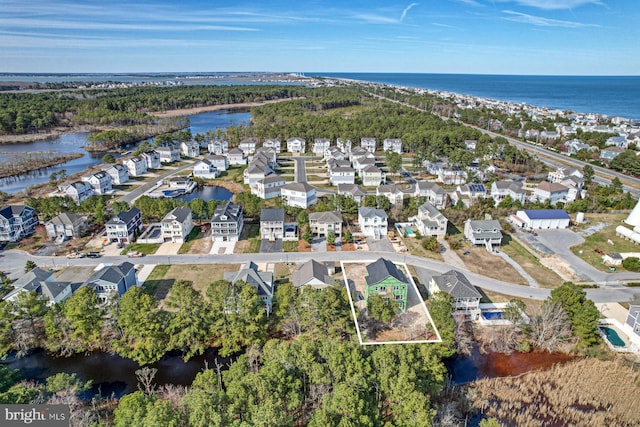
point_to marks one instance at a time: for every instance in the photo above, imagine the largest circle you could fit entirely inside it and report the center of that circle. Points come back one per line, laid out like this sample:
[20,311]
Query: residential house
[190,148]
[610,153]
[320,145]
[272,224]
[617,141]
[392,144]
[470,144]
[16,222]
[466,297]
[43,283]
[468,194]
[119,174]
[352,190]
[227,223]
[205,169]
[372,176]
[181,182]
[136,166]
[221,163]
[391,192]
[267,154]
[153,159]
[248,146]
[503,189]
[344,145]
[368,144]
[236,156]
[112,281]
[169,153]
[123,227]
[358,152]
[430,221]
[101,182]
[321,223]
[361,162]
[551,191]
[177,224]
[78,191]
[274,144]
[66,225]
[574,146]
[340,172]
[452,175]
[549,135]
[433,192]
[298,194]
[268,187]
[483,232]
[564,172]
[373,222]
[262,281]
[257,169]
[384,278]
[334,153]
[632,324]
[538,219]
[312,274]
[218,147]
[296,145]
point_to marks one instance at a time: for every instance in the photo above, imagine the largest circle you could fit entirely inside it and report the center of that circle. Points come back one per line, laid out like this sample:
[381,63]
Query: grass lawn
[290,246]
[414,247]
[545,277]
[164,276]
[249,240]
[155,283]
[600,240]
[479,261]
[233,173]
[192,238]
[145,248]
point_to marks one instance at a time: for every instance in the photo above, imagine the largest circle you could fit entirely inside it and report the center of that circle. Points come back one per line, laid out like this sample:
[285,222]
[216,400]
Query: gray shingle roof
[330,216]
[302,187]
[456,284]
[367,212]
[66,218]
[272,215]
[381,269]
[311,269]
[262,281]
[125,216]
[179,214]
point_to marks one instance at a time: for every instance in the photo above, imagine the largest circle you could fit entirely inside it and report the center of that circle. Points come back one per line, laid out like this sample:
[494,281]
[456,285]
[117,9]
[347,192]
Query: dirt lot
[408,326]
[478,260]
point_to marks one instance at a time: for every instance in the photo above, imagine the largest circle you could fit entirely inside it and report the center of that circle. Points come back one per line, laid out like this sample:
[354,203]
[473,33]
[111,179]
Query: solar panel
[476,188]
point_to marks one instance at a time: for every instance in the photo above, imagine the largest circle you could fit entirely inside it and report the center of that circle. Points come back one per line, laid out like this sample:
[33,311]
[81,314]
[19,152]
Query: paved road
[300,169]
[17,259]
[141,189]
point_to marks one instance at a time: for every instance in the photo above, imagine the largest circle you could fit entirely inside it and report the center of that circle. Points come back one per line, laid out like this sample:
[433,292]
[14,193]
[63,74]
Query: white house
[177,224]
[373,222]
[452,176]
[372,176]
[433,192]
[227,223]
[392,192]
[352,190]
[136,166]
[219,162]
[16,222]
[466,297]
[430,221]
[299,194]
[392,144]
[78,191]
[564,172]
[537,219]
[218,147]
[484,232]
[248,146]
[342,175]
[274,144]
[617,141]
[205,169]
[320,145]
[256,170]
[632,324]
[501,189]
[66,225]
[268,187]
[321,223]
[236,156]
[551,191]
[190,148]
[296,145]
[368,144]
[101,182]
[153,159]
[344,145]
[261,281]
[119,174]
[169,153]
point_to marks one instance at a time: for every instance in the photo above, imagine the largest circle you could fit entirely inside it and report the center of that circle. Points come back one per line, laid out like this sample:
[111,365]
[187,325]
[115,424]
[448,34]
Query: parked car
[135,254]
[75,255]
[93,255]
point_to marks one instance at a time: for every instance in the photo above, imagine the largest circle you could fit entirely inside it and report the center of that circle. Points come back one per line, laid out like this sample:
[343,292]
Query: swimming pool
[492,315]
[409,232]
[612,336]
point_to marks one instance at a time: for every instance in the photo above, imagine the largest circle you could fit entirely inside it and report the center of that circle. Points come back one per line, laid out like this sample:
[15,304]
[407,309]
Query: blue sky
[593,37]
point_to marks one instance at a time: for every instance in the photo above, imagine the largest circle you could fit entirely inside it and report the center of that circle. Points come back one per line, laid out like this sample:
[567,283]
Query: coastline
[209,108]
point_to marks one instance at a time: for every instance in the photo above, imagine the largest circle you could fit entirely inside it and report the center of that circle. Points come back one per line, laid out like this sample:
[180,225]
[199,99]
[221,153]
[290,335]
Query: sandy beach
[198,110]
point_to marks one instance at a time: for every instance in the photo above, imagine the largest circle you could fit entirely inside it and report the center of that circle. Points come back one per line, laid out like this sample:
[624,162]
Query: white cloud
[406,10]
[86,25]
[541,21]
[469,2]
[376,19]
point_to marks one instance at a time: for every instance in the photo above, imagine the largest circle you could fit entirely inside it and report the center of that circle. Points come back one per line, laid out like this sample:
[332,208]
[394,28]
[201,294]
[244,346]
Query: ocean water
[610,95]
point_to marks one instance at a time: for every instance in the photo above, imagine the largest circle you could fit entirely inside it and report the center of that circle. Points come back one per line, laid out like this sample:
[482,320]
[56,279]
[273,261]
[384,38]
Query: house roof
[125,216]
[428,185]
[389,188]
[272,215]
[552,187]
[485,224]
[66,218]
[383,268]
[353,189]
[229,210]
[179,214]
[310,270]
[372,169]
[111,274]
[428,209]
[262,281]
[11,211]
[35,275]
[329,216]
[456,284]
[367,212]
[236,152]
[302,187]
[546,214]
[270,179]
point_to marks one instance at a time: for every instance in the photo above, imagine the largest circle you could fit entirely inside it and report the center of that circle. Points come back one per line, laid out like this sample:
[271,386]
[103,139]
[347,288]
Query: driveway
[559,242]
[319,245]
[220,248]
[267,246]
[382,245]
[301,171]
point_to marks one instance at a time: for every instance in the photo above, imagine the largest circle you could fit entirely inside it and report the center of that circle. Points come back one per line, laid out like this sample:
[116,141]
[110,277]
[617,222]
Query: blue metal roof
[547,214]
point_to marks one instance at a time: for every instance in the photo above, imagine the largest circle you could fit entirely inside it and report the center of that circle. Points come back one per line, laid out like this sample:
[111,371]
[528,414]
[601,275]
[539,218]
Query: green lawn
[600,241]
[545,277]
[190,240]
[156,280]
[290,246]
[145,248]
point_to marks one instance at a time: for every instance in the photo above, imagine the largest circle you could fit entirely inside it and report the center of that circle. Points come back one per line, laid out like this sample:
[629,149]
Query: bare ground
[197,110]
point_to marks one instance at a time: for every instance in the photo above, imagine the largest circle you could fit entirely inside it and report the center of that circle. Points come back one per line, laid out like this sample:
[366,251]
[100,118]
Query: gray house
[261,280]
[227,223]
[113,280]
[41,282]
[67,225]
[123,227]
[312,273]
[16,222]
[465,296]
[485,232]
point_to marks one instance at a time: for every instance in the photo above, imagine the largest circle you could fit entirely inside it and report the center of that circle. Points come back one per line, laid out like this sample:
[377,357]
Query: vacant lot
[479,260]
[197,242]
[249,241]
[545,277]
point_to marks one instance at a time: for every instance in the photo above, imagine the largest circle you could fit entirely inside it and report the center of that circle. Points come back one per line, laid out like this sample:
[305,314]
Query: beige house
[177,224]
[321,223]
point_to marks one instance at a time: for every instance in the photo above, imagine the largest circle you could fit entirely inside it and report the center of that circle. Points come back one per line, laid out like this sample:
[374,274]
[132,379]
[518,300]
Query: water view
[207,193]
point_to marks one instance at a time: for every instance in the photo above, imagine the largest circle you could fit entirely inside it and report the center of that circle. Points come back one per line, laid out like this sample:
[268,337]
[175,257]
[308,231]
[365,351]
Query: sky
[531,37]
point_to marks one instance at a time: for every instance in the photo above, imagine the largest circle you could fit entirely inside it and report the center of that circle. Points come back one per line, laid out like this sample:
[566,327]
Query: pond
[112,374]
[73,143]
[492,364]
[207,193]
